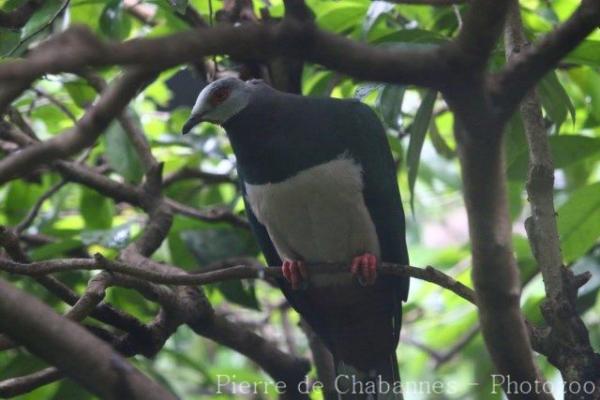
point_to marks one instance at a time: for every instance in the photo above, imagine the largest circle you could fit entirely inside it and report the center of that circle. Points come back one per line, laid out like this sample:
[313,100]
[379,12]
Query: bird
[319,184]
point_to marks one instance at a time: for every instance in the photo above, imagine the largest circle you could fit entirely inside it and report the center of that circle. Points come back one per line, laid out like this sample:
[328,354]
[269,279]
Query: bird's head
[219,101]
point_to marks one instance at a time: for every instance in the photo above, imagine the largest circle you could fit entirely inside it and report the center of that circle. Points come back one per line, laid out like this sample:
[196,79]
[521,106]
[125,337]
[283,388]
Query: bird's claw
[364,267]
[295,273]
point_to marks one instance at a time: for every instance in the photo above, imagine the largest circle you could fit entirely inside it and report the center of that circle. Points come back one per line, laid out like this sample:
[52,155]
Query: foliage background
[420,134]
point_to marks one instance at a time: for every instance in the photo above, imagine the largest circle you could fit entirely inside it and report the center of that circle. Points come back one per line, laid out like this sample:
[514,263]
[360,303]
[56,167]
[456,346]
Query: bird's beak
[191,122]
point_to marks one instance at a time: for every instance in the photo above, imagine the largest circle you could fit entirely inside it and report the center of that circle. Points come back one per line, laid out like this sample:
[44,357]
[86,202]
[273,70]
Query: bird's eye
[219,95]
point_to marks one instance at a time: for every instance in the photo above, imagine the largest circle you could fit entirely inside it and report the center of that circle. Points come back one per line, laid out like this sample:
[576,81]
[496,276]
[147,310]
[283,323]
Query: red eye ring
[219,95]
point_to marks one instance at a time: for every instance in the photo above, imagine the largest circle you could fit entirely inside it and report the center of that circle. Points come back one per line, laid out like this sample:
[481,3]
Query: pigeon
[320,186]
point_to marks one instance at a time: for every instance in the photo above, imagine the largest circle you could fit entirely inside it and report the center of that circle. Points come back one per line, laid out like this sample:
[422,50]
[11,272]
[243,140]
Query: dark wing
[367,143]
[296,298]
[366,140]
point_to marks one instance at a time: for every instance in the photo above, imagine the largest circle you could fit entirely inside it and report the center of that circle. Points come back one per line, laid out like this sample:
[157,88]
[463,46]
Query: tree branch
[103,312]
[23,384]
[533,62]
[279,365]
[189,305]
[192,173]
[236,272]
[33,212]
[323,361]
[572,352]
[84,134]
[78,47]
[495,272]
[129,124]
[68,346]
[160,329]
[481,30]
[118,191]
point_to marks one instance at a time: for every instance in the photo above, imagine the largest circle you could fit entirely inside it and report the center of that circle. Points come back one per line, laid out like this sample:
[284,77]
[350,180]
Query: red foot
[295,272]
[365,268]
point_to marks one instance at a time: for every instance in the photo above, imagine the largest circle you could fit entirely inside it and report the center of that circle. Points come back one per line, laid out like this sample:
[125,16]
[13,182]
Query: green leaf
[416,36]
[179,5]
[114,22]
[240,292]
[439,143]
[180,253]
[54,250]
[131,302]
[214,244]
[377,9]
[515,199]
[317,83]
[566,150]
[211,245]
[20,198]
[23,363]
[588,81]
[115,238]
[121,154]
[587,53]
[9,39]
[555,99]
[515,142]
[96,210]
[341,16]
[42,17]
[68,389]
[417,138]
[82,94]
[579,222]
[589,263]
[527,263]
[389,104]
[532,309]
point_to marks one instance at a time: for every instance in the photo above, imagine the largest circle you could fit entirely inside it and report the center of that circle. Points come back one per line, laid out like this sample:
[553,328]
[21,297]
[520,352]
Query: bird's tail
[380,382]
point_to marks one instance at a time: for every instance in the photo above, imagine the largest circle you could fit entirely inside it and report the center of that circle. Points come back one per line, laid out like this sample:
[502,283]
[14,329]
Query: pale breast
[318,215]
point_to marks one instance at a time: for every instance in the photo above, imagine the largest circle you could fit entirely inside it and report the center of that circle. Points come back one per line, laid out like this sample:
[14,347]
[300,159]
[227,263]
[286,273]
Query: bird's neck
[272,144]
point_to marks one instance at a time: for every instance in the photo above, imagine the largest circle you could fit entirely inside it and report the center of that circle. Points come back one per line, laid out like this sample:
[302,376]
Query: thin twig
[237,272]
[33,212]
[59,104]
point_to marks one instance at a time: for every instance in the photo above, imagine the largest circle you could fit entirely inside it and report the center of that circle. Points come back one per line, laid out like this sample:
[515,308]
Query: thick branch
[160,329]
[78,47]
[84,134]
[533,62]
[481,30]
[277,364]
[103,312]
[86,359]
[189,305]
[495,271]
